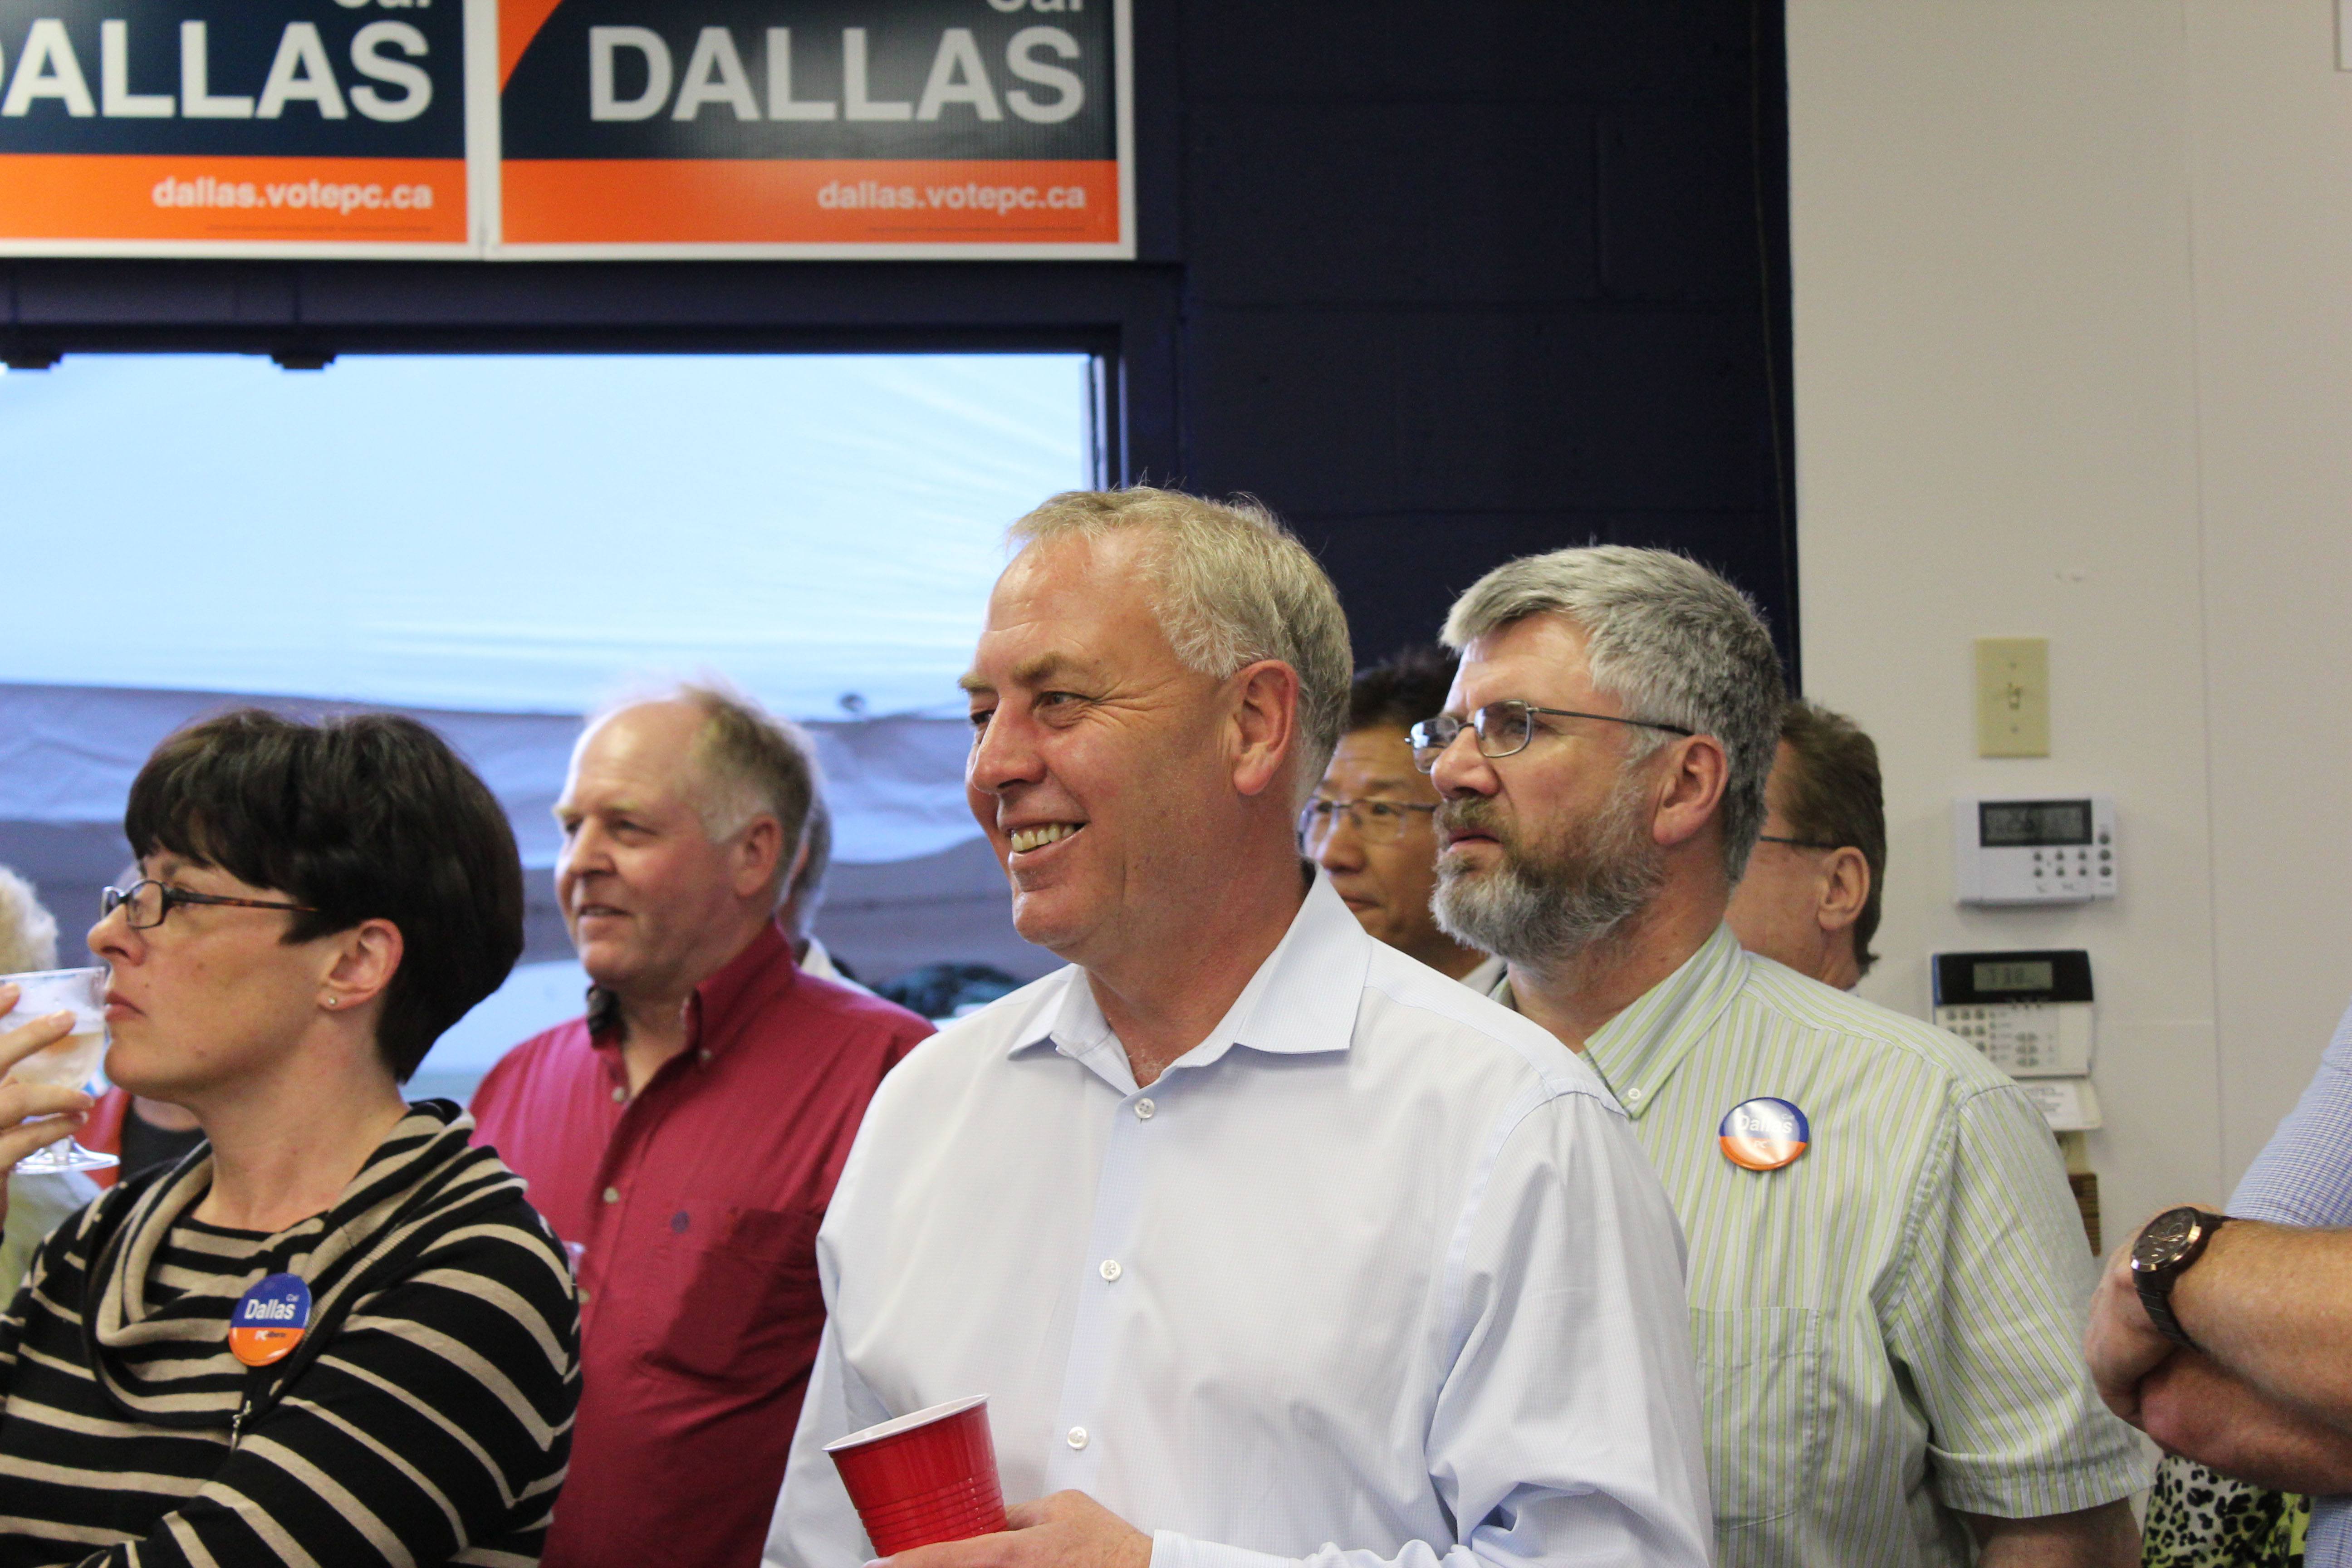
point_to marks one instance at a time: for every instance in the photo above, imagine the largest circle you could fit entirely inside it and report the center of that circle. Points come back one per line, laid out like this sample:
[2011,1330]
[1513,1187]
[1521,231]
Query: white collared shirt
[816,961]
[1376,1273]
[1489,973]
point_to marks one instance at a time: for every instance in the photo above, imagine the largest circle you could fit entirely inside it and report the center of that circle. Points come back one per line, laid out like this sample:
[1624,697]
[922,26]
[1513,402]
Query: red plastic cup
[924,1479]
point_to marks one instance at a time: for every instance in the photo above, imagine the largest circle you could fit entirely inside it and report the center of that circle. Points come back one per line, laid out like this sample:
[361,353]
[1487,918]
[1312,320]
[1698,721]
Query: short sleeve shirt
[1887,1329]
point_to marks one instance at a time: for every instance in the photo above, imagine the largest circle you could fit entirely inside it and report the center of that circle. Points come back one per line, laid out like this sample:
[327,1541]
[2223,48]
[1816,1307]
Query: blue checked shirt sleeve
[1988,1318]
[2304,1175]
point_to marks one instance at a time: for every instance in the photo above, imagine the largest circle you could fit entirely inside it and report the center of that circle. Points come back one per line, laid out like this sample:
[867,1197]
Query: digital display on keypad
[2015,976]
[2033,824]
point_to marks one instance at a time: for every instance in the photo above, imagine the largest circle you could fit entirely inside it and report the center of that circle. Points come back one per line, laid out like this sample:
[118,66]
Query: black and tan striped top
[425,1418]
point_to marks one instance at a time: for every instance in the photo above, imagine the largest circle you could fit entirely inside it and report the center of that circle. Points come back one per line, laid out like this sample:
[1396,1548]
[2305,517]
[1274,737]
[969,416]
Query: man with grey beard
[1887,1277]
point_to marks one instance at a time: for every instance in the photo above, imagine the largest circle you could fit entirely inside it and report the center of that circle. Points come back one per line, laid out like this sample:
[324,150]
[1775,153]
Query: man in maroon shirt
[684,1138]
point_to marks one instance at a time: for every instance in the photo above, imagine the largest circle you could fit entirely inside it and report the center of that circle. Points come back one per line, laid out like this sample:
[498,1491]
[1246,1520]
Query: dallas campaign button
[1763,1134]
[270,1321]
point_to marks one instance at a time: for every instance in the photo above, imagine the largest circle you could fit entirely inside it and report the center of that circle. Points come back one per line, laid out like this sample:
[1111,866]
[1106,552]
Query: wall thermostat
[2046,851]
[2030,1013]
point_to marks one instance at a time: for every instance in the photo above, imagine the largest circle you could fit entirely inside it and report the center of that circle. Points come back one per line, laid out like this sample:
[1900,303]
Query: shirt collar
[816,961]
[1303,999]
[759,974]
[1639,1050]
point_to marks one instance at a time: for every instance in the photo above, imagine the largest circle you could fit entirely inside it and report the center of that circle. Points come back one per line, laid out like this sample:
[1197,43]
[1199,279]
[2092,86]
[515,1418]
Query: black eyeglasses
[146,903]
[1504,728]
[1375,821]
[1795,843]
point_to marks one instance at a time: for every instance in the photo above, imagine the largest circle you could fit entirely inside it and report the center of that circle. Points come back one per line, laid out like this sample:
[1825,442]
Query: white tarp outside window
[497,543]
[517,535]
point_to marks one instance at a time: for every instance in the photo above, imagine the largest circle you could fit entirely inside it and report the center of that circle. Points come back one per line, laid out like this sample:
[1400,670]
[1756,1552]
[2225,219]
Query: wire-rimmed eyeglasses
[1375,821]
[1796,843]
[1504,728]
[145,903]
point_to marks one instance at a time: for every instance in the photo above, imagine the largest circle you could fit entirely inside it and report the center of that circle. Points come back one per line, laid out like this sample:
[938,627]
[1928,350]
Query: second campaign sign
[253,127]
[934,127]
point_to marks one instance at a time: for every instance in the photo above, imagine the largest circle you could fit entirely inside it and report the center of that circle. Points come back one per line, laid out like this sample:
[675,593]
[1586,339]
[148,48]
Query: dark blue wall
[1466,280]
[1443,281]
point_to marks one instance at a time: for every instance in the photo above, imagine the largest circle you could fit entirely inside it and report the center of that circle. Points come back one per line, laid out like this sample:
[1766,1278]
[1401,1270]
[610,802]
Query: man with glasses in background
[1368,826]
[1887,1276]
[1811,895]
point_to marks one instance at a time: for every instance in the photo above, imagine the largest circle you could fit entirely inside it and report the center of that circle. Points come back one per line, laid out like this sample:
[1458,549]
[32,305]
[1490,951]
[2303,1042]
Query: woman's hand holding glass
[33,1115]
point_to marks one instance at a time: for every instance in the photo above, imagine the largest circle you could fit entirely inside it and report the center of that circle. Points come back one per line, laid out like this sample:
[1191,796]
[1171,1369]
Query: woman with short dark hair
[335,1332]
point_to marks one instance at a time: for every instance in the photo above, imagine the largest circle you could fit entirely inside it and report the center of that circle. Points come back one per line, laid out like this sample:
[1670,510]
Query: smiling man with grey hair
[1266,1242]
[1887,1276]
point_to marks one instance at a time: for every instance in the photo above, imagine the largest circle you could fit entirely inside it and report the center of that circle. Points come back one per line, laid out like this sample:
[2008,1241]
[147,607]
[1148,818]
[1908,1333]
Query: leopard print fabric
[2199,1519]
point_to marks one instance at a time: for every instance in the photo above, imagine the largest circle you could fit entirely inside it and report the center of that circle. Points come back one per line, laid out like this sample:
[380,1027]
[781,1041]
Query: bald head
[655,899]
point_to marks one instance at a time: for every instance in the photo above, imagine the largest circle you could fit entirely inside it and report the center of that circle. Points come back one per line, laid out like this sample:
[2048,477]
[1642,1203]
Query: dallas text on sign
[715,75]
[302,72]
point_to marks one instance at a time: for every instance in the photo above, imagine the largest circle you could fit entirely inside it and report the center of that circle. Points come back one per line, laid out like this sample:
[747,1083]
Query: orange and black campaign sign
[911,128]
[240,127]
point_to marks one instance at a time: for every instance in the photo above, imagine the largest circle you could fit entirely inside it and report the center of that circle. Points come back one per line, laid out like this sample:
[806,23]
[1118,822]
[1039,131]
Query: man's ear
[1844,889]
[757,851]
[1693,775]
[1263,724]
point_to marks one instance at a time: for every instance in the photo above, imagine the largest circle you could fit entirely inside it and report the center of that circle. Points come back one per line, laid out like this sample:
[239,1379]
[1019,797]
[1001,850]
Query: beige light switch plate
[2012,696]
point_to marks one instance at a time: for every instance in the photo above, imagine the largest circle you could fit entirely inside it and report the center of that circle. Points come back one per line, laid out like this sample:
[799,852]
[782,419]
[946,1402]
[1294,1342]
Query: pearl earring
[331,1001]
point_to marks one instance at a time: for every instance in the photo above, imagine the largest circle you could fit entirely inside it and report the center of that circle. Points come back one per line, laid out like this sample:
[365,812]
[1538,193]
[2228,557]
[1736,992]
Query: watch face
[2167,1239]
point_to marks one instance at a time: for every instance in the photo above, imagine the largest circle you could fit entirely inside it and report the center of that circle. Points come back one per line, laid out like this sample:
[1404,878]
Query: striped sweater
[425,1417]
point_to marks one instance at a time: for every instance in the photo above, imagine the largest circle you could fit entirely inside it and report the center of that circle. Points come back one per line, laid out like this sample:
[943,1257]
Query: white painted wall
[2073,358]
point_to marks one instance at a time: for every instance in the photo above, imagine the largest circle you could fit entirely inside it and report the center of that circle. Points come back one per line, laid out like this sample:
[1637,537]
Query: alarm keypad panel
[2030,1015]
[2026,1039]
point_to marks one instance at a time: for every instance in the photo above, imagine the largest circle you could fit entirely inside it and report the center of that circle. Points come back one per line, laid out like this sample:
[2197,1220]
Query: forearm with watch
[2270,1304]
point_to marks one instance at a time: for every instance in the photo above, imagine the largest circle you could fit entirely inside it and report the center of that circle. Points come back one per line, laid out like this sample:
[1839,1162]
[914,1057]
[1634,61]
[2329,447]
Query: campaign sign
[930,128]
[241,127]
[1764,1134]
[270,1321]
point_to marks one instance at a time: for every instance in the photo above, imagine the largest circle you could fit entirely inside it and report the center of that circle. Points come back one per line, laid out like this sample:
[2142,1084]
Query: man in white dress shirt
[1266,1242]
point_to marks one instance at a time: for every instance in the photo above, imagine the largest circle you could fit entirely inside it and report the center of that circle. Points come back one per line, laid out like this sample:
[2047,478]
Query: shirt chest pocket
[740,1296]
[1760,1391]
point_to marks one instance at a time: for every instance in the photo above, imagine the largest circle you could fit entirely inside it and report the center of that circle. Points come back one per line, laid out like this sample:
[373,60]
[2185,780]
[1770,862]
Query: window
[498,542]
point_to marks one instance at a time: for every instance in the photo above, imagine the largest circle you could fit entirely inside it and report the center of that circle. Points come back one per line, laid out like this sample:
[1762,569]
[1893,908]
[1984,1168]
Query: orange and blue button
[1764,1134]
[270,1321]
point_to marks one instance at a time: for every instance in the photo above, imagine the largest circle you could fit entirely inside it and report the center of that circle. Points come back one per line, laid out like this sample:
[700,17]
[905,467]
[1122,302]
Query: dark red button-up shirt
[693,1212]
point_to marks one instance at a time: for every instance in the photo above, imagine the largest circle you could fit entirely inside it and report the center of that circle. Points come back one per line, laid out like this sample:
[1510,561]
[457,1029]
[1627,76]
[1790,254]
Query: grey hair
[1669,640]
[1230,585]
[29,933]
[805,895]
[750,763]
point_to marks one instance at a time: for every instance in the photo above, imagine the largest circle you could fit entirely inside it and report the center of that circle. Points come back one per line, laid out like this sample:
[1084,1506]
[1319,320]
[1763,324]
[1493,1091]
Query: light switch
[2012,696]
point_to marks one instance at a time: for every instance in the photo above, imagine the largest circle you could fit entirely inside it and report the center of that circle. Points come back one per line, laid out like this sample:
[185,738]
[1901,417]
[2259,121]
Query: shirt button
[705,1055]
[1077,1436]
[1143,1110]
[1633,1097]
[620,1094]
[612,1194]
[1110,1268]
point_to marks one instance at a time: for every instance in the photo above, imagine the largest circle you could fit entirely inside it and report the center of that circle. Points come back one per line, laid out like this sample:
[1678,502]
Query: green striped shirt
[1890,1328]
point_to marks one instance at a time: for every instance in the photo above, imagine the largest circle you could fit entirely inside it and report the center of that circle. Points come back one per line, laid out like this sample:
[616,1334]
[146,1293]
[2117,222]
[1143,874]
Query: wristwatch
[2172,1241]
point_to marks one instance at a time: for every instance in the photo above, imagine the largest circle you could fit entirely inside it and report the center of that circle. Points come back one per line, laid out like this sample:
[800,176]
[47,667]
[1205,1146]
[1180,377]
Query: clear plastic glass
[71,1063]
